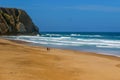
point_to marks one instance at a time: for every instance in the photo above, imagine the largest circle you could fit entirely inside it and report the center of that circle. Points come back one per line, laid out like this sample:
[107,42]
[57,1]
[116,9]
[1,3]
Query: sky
[71,15]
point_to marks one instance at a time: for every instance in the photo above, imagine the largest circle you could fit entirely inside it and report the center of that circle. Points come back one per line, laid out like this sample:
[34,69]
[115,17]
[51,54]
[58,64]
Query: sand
[23,62]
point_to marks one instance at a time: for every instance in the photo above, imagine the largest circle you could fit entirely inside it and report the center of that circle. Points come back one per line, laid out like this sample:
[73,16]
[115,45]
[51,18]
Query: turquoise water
[100,42]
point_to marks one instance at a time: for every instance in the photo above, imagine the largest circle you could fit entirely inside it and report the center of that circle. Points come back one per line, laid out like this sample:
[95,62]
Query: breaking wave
[69,41]
[74,41]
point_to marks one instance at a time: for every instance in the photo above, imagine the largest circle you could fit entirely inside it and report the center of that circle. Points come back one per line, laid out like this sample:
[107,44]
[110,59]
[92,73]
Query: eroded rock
[16,22]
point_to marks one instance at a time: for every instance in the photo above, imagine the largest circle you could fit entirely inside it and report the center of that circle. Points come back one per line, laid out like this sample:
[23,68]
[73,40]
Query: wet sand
[23,62]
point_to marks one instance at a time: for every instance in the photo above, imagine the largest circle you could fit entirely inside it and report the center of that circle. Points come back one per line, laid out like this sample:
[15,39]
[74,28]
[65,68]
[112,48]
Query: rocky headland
[16,22]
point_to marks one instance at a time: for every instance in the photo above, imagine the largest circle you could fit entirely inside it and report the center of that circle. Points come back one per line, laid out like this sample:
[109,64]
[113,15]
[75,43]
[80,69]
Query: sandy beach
[23,62]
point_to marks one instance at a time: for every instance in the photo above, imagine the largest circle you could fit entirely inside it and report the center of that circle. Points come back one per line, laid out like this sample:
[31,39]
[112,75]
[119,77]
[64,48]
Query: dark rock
[16,22]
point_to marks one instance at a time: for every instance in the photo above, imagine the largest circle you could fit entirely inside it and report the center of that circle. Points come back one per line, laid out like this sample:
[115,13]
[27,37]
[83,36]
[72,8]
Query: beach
[19,61]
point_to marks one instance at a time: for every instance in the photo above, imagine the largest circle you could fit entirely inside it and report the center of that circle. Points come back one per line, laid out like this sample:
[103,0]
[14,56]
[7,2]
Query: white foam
[107,46]
[65,37]
[69,41]
[86,35]
[52,35]
[75,35]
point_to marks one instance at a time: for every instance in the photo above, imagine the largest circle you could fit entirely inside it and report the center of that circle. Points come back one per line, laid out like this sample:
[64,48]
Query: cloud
[95,8]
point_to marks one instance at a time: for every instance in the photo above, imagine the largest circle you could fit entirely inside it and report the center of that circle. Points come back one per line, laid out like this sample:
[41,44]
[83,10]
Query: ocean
[99,42]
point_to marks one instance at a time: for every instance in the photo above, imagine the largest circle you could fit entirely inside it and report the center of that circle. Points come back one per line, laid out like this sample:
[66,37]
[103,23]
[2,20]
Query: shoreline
[94,53]
[92,45]
[24,62]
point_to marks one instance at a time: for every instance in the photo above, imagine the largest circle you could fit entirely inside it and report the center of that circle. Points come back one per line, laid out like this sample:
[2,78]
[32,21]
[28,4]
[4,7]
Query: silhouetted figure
[48,49]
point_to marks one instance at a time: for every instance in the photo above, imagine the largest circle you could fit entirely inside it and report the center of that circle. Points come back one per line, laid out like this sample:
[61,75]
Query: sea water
[99,42]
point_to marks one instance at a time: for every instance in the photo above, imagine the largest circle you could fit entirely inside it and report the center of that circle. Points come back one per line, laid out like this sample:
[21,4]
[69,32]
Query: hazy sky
[71,15]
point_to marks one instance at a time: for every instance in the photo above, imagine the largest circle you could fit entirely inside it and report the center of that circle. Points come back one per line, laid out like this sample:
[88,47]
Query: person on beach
[48,49]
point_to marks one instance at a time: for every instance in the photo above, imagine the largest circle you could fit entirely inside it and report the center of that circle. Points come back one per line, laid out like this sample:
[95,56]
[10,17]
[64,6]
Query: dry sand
[23,62]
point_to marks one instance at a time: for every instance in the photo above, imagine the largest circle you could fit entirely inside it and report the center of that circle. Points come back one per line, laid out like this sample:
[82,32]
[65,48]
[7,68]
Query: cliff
[16,22]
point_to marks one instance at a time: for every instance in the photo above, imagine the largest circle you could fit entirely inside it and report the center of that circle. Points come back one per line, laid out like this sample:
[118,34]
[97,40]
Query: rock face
[16,22]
